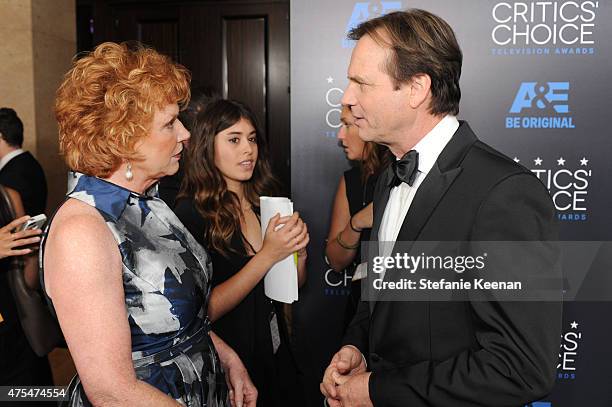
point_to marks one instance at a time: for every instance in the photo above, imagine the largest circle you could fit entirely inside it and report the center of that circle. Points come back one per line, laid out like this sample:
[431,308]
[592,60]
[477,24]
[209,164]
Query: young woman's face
[236,151]
[349,136]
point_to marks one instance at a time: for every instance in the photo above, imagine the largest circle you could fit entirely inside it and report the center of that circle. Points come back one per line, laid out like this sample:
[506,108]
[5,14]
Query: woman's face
[236,152]
[163,146]
[349,136]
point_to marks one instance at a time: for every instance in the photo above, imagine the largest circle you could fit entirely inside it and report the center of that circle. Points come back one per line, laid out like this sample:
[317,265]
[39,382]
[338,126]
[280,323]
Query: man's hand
[347,362]
[353,391]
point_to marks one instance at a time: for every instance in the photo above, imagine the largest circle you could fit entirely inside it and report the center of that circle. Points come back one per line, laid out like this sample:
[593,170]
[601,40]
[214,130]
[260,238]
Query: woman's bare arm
[83,276]
[339,257]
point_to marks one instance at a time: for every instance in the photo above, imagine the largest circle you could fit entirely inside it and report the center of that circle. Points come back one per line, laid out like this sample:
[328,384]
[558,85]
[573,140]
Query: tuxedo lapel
[437,182]
[381,197]
[425,201]
[432,190]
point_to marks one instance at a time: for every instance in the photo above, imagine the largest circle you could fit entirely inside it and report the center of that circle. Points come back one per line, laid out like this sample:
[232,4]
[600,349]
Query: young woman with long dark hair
[227,170]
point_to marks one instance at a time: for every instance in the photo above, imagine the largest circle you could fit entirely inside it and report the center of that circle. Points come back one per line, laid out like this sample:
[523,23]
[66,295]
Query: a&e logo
[535,95]
[541,105]
[367,10]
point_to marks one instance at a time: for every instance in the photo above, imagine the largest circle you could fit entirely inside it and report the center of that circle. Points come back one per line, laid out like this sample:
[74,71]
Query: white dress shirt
[401,196]
[9,157]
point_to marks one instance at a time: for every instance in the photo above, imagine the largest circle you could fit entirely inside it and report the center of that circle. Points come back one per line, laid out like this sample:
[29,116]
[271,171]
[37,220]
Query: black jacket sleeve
[358,330]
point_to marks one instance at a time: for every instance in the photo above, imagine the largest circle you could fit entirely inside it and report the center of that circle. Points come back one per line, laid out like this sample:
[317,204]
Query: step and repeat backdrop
[536,85]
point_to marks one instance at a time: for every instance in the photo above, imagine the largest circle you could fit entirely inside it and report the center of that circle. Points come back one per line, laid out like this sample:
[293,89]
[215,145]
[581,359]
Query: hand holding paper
[284,233]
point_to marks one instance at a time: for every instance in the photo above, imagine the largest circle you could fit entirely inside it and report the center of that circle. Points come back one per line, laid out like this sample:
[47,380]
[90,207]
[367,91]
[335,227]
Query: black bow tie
[405,169]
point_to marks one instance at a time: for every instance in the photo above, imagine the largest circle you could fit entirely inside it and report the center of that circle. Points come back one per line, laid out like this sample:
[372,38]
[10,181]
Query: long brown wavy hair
[375,159]
[220,207]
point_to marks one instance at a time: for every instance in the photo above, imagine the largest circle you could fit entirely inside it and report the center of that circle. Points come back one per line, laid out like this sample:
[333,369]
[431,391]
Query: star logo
[330,79]
[584,161]
[537,161]
[574,325]
[561,161]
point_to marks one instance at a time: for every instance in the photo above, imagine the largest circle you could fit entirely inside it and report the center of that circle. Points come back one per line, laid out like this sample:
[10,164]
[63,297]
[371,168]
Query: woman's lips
[246,164]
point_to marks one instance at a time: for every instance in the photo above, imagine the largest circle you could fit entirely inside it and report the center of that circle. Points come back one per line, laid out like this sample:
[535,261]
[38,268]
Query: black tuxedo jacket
[454,354]
[25,175]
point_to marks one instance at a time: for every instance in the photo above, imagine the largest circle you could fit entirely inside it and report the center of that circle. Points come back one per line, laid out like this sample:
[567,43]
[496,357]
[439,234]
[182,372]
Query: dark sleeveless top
[359,195]
[246,328]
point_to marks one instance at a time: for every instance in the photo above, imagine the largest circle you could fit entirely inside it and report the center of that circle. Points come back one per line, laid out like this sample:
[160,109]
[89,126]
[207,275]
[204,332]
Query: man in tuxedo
[19,170]
[447,185]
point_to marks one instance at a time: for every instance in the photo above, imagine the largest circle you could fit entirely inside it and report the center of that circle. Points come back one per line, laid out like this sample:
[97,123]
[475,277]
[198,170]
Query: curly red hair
[106,104]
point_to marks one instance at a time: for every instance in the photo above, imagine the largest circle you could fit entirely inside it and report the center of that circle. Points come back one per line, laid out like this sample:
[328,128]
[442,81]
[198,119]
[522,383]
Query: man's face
[381,112]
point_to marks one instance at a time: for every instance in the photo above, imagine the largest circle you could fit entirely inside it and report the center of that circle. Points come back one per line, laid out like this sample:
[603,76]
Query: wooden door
[239,48]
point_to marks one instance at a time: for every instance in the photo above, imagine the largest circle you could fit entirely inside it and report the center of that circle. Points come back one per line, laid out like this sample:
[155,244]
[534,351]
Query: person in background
[128,282]
[227,170]
[351,218]
[200,97]
[21,173]
[19,365]
[24,181]
[19,170]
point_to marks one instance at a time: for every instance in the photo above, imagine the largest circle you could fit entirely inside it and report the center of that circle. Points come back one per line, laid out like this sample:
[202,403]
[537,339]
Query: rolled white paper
[280,283]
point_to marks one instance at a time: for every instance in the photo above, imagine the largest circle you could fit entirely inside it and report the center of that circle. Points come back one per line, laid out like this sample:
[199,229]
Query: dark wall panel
[241,49]
[163,35]
[244,62]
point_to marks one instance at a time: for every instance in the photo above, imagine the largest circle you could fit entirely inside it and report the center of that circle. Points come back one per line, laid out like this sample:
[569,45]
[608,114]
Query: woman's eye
[170,125]
[234,140]
[253,140]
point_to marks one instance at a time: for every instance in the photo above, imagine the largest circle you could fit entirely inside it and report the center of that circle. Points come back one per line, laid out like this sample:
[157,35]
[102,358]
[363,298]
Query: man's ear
[420,90]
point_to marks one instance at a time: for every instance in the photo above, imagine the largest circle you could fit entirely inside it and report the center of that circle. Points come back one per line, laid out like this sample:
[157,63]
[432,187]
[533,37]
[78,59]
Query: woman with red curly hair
[128,282]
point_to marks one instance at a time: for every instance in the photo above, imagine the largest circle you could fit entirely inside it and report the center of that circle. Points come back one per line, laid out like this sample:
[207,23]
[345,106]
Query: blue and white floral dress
[166,279]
